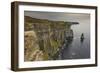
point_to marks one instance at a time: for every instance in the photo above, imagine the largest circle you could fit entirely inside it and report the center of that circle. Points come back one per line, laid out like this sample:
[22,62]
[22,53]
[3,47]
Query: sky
[56,16]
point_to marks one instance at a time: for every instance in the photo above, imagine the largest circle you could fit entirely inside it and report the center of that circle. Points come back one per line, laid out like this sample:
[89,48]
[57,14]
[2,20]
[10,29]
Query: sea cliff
[43,38]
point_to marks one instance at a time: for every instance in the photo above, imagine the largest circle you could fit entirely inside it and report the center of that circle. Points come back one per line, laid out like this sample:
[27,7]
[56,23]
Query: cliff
[44,36]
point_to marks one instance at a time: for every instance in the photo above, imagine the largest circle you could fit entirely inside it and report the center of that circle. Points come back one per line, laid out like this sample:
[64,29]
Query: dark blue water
[76,48]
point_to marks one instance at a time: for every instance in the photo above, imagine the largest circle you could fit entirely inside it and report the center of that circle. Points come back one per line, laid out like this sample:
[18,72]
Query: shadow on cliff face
[66,44]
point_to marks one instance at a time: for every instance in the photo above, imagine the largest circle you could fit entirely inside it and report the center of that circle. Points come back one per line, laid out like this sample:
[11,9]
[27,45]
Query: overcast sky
[57,16]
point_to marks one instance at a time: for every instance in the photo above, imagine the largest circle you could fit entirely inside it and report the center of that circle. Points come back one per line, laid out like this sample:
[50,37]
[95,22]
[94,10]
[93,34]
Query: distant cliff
[44,35]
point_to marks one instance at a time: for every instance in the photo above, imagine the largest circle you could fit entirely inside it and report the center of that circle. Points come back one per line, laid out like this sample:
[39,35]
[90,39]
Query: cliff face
[44,38]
